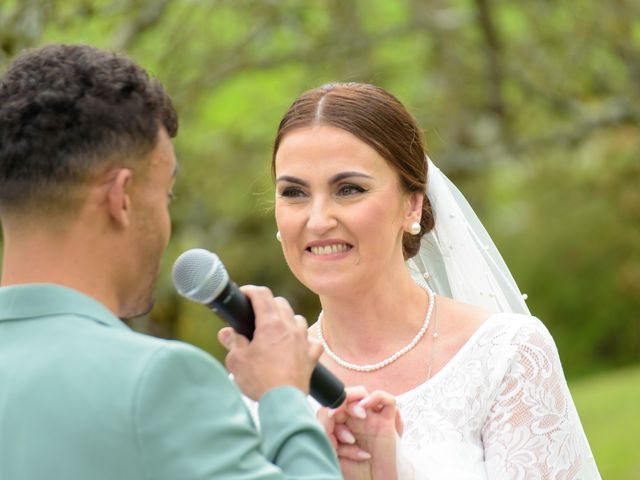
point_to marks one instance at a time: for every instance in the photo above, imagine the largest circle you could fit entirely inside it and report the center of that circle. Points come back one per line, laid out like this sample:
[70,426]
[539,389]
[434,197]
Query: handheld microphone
[199,275]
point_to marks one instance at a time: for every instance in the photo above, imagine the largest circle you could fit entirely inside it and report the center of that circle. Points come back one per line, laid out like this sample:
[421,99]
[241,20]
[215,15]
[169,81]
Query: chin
[137,309]
[328,285]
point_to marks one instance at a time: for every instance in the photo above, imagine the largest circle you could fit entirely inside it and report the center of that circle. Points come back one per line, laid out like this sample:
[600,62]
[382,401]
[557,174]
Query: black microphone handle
[235,308]
[326,388]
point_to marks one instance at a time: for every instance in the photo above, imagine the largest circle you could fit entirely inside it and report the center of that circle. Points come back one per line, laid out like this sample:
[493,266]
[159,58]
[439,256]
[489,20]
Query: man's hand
[280,352]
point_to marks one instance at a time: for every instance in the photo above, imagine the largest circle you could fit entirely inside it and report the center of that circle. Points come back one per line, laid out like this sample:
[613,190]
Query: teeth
[328,249]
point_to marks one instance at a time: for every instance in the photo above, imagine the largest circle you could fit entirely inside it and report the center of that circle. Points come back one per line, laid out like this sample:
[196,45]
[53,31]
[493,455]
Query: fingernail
[224,338]
[346,437]
[363,455]
[331,413]
[359,412]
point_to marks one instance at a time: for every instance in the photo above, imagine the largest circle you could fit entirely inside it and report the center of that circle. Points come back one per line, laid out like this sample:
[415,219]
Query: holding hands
[364,431]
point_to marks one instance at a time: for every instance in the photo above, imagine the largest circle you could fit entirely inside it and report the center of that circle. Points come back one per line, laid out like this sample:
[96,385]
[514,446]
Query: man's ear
[118,197]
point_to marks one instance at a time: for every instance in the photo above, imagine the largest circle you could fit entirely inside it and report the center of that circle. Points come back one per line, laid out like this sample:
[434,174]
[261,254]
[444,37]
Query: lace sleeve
[533,430]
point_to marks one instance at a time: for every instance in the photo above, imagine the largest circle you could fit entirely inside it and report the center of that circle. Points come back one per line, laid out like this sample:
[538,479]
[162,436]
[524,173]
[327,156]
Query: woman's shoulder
[521,335]
[496,328]
[519,323]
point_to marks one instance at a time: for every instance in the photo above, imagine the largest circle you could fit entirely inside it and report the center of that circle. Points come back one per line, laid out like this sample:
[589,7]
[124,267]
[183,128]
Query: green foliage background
[532,108]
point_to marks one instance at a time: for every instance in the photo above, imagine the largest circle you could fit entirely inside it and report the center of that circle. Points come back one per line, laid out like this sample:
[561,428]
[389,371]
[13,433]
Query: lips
[329,249]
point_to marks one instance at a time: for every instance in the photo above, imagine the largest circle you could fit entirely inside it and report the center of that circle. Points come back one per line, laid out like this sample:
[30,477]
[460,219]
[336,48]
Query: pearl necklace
[376,366]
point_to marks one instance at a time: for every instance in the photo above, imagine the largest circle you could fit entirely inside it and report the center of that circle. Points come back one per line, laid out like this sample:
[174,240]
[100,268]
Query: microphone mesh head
[199,275]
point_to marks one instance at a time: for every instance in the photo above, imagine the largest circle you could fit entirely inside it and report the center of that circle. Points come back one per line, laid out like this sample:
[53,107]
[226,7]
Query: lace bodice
[500,409]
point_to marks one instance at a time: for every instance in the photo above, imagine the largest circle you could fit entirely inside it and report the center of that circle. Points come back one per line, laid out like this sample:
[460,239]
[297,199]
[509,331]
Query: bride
[451,375]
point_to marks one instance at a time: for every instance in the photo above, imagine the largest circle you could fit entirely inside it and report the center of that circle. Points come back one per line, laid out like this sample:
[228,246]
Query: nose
[321,216]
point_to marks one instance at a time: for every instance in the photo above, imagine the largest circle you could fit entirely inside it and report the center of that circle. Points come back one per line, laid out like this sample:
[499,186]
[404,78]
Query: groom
[86,173]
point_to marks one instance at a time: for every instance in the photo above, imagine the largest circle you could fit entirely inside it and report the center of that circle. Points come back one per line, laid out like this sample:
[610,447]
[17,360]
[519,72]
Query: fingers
[399,423]
[356,393]
[225,337]
[265,308]
[342,439]
[352,452]
[328,423]
[378,401]
[385,404]
[268,308]
[343,434]
[356,410]
[278,353]
[315,349]
[228,337]
[286,311]
[350,406]
[274,315]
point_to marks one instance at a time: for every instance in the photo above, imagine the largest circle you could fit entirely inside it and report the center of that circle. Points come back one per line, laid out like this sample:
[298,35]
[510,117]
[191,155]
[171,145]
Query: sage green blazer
[84,397]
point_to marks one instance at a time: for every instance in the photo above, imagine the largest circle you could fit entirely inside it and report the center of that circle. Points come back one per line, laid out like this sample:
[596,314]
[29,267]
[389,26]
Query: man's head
[69,113]
[85,150]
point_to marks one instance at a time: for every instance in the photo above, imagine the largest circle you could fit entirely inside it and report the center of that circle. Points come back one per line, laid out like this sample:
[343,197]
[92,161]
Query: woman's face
[340,210]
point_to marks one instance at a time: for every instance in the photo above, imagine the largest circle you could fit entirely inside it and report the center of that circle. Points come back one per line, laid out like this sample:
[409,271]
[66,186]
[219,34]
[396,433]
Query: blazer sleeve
[190,423]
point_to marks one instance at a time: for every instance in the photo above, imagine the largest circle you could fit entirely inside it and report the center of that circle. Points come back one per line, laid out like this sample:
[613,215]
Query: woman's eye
[350,190]
[291,192]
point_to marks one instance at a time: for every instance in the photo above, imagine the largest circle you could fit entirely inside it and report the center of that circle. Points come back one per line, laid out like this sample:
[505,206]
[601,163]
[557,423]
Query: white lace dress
[500,409]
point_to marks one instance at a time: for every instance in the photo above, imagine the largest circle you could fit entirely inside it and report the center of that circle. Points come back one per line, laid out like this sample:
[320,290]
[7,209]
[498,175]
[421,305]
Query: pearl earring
[278,236]
[415,228]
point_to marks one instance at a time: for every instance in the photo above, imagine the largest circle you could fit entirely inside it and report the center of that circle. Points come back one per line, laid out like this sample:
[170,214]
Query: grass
[609,407]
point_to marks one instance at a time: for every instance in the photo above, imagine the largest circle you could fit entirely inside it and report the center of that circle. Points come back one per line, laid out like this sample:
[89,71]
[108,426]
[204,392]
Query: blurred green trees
[531,107]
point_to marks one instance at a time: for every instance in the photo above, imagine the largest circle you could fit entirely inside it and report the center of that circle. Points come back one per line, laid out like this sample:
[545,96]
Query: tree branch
[147,17]
[493,54]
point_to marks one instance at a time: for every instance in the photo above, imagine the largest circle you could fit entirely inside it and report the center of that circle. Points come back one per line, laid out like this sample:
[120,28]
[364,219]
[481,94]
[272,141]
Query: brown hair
[377,118]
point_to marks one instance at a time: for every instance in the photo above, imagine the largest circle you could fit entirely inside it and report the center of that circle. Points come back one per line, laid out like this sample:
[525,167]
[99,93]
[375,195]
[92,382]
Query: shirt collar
[42,299]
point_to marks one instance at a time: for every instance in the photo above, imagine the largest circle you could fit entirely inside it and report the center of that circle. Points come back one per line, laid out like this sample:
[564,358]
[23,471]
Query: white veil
[457,258]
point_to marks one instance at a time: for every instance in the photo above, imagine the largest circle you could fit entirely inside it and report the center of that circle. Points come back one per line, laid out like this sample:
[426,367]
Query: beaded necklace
[387,361]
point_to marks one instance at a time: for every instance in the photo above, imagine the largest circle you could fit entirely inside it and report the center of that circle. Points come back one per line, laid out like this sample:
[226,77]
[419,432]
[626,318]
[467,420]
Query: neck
[377,320]
[40,255]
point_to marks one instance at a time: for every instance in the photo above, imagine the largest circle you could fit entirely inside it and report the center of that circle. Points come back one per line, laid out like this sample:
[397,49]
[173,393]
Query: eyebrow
[336,178]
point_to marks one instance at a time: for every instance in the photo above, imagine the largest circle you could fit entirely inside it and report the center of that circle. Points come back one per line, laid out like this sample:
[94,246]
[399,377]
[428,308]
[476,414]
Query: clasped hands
[364,431]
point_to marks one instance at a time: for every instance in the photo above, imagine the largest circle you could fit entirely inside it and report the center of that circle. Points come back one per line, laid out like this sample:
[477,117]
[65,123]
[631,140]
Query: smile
[329,249]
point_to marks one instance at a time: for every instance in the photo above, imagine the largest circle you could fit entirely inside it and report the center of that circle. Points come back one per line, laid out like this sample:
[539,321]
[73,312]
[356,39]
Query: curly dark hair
[69,112]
